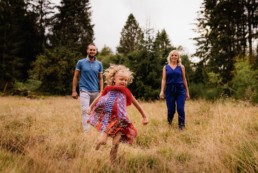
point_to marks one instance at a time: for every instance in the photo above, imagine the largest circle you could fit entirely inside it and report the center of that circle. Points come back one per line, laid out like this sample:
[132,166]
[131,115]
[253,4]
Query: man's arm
[75,80]
[101,83]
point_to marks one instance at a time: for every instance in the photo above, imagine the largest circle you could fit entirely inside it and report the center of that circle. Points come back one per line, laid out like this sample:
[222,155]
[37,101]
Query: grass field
[44,135]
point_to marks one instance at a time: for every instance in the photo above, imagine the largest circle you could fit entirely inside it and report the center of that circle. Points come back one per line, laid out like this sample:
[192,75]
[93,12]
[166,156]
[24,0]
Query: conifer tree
[223,27]
[131,36]
[18,42]
[43,10]
[145,63]
[162,45]
[72,26]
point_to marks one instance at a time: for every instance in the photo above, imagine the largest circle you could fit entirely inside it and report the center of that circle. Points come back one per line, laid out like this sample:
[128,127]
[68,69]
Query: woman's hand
[161,95]
[187,96]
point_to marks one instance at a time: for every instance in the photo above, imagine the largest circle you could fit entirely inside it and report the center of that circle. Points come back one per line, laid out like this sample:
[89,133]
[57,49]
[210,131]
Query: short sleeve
[78,66]
[100,67]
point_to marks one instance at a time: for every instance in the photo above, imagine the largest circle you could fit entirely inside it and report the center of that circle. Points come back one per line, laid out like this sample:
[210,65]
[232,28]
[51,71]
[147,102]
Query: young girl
[108,110]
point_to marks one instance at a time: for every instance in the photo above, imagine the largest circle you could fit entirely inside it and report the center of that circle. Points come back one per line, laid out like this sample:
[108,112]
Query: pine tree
[147,73]
[223,28]
[146,66]
[43,10]
[131,37]
[251,13]
[162,45]
[18,42]
[72,26]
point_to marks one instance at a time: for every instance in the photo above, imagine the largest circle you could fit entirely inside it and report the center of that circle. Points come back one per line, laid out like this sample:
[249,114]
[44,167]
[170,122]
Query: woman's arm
[139,108]
[163,83]
[185,82]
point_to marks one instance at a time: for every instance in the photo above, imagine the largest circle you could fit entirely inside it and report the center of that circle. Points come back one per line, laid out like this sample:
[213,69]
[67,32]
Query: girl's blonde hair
[178,55]
[113,69]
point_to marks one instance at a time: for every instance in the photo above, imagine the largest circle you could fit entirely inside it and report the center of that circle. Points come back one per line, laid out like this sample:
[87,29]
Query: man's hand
[88,111]
[74,94]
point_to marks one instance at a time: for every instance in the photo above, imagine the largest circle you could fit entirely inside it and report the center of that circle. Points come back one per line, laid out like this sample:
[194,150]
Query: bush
[55,70]
[201,91]
[196,90]
[25,89]
[212,93]
[245,83]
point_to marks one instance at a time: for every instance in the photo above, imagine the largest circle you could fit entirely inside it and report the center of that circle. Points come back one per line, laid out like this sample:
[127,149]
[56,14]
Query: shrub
[244,83]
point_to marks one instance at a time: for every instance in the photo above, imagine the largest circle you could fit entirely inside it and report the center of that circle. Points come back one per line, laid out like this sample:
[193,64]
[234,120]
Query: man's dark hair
[91,44]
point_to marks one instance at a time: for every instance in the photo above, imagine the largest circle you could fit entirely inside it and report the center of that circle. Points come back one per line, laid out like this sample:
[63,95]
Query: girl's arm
[163,83]
[139,108]
[185,82]
[93,104]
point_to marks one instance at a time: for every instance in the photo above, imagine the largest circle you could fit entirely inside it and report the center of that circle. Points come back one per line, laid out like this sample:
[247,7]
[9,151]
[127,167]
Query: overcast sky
[175,16]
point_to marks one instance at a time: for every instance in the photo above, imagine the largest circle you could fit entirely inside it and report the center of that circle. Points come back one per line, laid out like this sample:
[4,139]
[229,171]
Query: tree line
[41,42]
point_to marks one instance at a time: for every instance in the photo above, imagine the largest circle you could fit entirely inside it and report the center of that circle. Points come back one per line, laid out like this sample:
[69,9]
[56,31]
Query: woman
[174,84]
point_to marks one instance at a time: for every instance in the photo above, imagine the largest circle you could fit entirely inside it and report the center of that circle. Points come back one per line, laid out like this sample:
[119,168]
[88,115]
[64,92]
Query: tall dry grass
[45,135]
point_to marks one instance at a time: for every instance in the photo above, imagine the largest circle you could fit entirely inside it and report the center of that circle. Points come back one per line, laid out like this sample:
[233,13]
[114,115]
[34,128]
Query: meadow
[44,135]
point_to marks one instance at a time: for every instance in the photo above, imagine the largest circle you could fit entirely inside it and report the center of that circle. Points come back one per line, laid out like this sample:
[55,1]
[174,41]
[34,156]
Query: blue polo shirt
[89,74]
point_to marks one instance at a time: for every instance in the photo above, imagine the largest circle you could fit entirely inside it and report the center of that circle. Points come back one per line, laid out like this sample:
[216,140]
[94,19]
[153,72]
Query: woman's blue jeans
[175,100]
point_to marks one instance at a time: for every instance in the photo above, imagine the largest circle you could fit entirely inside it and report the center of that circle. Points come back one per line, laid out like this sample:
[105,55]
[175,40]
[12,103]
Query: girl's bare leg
[102,140]
[114,149]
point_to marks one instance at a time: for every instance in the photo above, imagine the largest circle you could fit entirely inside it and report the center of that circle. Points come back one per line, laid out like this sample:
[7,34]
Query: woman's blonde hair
[113,69]
[178,55]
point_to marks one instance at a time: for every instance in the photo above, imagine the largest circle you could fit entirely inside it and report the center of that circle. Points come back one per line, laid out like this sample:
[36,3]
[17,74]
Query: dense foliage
[71,26]
[19,42]
[131,36]
[40,44]
[227,30]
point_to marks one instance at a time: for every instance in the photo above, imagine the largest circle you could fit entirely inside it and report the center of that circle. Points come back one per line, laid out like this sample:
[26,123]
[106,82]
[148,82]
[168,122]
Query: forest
[41,42]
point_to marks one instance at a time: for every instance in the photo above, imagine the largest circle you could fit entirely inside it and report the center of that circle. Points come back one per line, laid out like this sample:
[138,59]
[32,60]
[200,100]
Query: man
[90,72]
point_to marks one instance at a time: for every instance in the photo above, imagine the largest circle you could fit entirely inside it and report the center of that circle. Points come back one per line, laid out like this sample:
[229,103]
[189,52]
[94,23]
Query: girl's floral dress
[109,114]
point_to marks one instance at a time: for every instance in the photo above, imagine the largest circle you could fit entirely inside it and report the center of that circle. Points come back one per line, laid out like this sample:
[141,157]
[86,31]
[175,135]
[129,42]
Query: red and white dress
[109,114]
